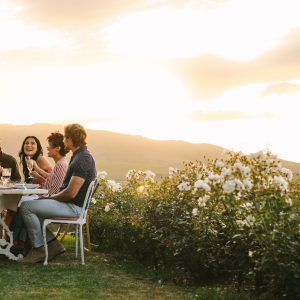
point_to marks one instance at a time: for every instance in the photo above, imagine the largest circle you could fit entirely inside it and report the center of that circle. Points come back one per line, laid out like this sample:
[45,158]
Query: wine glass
[6,173]
[29,163]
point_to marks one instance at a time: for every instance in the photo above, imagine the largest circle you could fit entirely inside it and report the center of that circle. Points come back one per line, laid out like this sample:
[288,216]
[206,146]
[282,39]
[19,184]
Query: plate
[4,187]
[26,185]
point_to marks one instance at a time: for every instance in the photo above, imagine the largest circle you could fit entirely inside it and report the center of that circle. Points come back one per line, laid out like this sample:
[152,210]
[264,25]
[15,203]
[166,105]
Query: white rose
[202,184]
[184,186]
[214,177]
[219,164]
[229,186]
[117,188]
[225,152]
[289,201]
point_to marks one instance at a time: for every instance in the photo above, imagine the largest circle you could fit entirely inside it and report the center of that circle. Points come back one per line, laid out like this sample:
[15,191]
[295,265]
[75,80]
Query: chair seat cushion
[70,219]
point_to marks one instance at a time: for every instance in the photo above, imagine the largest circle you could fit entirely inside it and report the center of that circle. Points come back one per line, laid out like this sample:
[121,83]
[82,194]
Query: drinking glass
[29,163]
[6,173]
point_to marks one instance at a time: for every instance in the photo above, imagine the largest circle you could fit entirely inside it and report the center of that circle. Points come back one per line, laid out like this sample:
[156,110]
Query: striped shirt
[56,177]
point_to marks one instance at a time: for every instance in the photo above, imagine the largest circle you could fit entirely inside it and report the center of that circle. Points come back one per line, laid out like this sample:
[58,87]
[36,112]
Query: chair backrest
[87,199]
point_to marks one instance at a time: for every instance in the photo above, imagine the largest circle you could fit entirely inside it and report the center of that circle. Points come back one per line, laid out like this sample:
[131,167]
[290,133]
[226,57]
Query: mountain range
[113,151]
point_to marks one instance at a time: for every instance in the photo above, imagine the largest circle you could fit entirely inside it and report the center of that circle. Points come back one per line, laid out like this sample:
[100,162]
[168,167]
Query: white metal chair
[81,220]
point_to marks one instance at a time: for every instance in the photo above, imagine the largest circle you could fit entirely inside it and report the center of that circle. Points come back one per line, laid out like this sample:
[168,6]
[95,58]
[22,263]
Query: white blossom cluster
[107,206]
[140,175]
[184,186]
[202,201]
[288,173]
[112,185]
[237,175]
[101,175]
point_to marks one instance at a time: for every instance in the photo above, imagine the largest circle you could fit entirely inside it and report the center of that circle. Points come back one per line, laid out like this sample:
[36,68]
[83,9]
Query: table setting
[10,196]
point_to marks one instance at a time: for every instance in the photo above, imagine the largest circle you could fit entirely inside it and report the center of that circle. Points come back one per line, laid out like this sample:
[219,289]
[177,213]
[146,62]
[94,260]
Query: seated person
[8,161]
[50,181]
[67,203]
[31,146]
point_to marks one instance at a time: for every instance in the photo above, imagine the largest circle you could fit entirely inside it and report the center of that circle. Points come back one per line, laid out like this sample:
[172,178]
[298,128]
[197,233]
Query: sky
[224,72]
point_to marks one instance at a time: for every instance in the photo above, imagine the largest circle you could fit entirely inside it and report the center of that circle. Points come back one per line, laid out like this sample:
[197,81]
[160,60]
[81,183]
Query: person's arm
[38,167]
[70,192]
[15,173]
[55,181]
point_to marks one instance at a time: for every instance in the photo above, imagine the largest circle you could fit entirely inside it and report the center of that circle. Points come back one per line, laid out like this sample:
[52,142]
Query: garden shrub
[239,214]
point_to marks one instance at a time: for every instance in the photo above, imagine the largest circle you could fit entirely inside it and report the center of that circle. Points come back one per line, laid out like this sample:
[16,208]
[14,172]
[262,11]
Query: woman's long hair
[22,155]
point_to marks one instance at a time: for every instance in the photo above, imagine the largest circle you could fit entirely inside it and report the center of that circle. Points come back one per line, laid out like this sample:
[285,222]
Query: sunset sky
[204,71]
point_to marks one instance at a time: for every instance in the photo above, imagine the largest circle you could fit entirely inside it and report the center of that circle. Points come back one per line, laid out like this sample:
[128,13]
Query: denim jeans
[18,227]
[31,211]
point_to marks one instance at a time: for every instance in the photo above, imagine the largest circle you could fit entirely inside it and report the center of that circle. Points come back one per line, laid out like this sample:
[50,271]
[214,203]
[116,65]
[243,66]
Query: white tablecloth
[9,199]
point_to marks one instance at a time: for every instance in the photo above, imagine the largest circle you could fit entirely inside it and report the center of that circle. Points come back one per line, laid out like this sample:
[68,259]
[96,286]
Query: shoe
[35,255]
[17,251]
[55,248]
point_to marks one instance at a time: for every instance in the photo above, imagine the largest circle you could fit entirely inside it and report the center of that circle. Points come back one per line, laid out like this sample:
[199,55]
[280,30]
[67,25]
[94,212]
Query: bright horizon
[220,72]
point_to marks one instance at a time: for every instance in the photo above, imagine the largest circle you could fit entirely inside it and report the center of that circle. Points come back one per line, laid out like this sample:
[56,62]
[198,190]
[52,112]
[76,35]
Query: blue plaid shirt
[82,165]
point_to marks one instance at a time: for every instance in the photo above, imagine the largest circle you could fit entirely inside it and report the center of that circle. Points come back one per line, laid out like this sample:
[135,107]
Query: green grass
[103,276]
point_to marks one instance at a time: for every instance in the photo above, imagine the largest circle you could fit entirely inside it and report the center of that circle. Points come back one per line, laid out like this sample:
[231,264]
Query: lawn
[103,276]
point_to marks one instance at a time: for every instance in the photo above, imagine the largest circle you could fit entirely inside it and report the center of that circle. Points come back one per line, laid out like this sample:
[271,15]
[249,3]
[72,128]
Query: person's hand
[34,174]
[35,166]
[41,197]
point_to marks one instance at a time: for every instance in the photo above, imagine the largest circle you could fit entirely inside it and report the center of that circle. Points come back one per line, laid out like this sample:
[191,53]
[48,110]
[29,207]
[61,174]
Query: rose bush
[239,214]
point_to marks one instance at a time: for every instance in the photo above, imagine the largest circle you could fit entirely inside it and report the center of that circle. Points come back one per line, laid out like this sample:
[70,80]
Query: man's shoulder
[8,157]
[85,155]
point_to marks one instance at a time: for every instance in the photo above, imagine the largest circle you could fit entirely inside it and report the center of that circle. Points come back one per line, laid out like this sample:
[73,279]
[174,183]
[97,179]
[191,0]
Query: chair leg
[64,234]
[45,244]
[76,240]
[81,245]
[89,250]
[83,239]
[59,229]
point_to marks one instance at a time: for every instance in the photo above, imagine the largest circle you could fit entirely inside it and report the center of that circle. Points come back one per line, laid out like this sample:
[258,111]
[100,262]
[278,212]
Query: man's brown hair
[77,133]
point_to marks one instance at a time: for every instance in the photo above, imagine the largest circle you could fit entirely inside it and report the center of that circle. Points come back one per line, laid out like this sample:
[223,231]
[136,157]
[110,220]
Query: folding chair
[78,221]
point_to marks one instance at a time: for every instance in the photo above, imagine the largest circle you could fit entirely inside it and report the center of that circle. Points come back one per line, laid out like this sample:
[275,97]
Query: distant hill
[122,149]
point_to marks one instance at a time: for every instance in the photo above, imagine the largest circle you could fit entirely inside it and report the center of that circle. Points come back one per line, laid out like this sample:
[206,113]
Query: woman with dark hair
[32,147]
[49,181]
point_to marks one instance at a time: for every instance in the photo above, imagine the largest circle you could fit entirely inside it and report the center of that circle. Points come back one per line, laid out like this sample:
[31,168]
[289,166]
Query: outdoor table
[9,199]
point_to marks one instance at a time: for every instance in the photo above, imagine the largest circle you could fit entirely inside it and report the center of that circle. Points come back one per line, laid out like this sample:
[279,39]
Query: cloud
[54,56]
[209,75]
[89,120]
[280,89]
[72,15]
[225,115]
